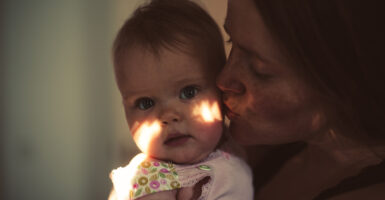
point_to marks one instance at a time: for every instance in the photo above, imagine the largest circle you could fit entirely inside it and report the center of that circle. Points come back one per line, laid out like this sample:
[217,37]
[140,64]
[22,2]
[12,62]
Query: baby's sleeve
[144,176]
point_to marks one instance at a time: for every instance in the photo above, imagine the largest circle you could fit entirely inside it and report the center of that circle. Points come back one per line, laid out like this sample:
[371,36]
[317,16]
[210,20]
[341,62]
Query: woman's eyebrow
[252,52]
[241,46]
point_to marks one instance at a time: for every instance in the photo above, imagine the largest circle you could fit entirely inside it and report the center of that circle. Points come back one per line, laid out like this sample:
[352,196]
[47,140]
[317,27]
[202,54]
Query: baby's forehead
[144,64]
[170,56]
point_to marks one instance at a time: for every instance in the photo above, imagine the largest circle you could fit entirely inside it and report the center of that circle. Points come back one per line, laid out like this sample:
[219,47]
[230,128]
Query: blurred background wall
[62,124]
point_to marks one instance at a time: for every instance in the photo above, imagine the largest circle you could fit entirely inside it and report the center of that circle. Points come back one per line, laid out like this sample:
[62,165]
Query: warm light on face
[145,134]
[208,113]
[122,177]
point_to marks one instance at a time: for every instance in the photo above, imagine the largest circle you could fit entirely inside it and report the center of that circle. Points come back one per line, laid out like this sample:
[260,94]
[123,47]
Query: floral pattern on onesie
[154,176]
[230,177]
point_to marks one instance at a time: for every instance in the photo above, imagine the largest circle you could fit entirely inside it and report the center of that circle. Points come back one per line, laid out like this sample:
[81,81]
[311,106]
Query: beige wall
[64,126]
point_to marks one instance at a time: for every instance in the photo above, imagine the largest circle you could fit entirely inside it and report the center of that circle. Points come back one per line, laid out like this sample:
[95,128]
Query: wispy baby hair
[173,25]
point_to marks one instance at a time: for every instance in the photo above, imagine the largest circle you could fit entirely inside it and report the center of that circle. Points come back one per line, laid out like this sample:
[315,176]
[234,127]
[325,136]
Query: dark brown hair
[338,48]
[174,25]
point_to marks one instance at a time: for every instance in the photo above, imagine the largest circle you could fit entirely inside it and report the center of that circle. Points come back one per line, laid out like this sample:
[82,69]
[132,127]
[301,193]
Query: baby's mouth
[176,139]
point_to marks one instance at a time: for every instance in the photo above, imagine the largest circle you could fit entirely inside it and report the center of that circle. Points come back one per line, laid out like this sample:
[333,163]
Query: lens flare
[207,112]
[122,178]
[145,134]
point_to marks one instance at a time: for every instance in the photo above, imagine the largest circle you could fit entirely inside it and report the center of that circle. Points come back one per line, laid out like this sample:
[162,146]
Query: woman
[308,74]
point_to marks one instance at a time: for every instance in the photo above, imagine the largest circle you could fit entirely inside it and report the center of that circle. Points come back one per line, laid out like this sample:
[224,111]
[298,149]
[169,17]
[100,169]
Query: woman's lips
[230,114]
[176,139]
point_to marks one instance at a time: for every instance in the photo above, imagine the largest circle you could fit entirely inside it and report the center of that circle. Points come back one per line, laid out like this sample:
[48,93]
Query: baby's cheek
[205,111]
[146,135]
[210,131]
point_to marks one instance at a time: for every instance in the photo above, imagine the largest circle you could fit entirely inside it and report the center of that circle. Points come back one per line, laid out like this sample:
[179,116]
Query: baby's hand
[166,195]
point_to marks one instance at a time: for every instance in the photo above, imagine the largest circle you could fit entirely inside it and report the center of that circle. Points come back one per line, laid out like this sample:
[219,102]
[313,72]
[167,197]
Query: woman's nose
[229,82]
[231,86]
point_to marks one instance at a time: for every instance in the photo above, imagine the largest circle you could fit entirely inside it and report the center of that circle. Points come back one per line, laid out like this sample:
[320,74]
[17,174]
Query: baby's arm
[164,195]
[186,193]
[148,170]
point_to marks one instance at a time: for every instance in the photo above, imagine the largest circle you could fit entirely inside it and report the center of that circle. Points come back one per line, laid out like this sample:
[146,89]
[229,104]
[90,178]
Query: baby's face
[171,104]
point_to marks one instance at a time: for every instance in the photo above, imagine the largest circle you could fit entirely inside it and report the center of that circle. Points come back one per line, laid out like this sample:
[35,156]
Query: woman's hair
[173,25]
[337,46]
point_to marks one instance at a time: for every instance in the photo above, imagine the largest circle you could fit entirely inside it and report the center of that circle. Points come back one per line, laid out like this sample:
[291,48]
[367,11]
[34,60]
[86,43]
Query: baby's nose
[169,121]
[170,116]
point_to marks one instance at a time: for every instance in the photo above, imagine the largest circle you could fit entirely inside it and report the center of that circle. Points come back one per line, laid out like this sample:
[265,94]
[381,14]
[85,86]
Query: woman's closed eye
[144,103]
[188,92]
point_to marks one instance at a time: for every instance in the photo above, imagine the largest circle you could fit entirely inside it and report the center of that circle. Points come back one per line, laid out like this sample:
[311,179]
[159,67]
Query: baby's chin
[181,158]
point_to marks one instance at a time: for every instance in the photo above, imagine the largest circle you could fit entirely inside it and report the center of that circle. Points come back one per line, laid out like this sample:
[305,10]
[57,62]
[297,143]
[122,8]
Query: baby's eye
[188,92]
[144,103]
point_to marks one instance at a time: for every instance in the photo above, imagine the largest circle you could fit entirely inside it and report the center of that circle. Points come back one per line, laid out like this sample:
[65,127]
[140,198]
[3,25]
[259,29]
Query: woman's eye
[260,75]
[144,103]
[188,92]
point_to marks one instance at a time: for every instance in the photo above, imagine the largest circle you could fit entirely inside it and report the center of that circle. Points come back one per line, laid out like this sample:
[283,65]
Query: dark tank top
[370,175]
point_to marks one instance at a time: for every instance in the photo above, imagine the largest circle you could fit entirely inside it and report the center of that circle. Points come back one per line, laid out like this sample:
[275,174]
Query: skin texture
[270,103]
[163,78]
[266,100]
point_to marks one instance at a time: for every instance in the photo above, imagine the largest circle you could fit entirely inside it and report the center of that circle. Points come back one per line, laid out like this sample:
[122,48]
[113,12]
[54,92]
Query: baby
[166,59]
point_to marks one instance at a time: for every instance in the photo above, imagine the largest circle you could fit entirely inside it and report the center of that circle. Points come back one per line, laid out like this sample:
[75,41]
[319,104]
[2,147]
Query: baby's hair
[173,25]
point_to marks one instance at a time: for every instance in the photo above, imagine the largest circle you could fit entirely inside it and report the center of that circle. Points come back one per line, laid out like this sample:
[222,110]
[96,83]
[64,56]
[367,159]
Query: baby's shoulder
[231,176]
[143,176]
[231,160]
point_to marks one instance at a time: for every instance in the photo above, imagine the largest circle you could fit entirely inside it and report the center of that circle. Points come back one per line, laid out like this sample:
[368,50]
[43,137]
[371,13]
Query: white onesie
[231,177]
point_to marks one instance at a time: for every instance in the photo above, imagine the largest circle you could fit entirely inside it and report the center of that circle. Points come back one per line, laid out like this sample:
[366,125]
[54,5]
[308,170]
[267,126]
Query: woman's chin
[245,134]
[241,133]
[187,158]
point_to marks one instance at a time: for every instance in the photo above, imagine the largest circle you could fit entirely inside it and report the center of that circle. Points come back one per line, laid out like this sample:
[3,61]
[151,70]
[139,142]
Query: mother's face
[267,102]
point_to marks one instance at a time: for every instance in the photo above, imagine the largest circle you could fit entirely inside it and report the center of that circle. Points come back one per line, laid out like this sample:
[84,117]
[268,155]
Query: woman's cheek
[273,106]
